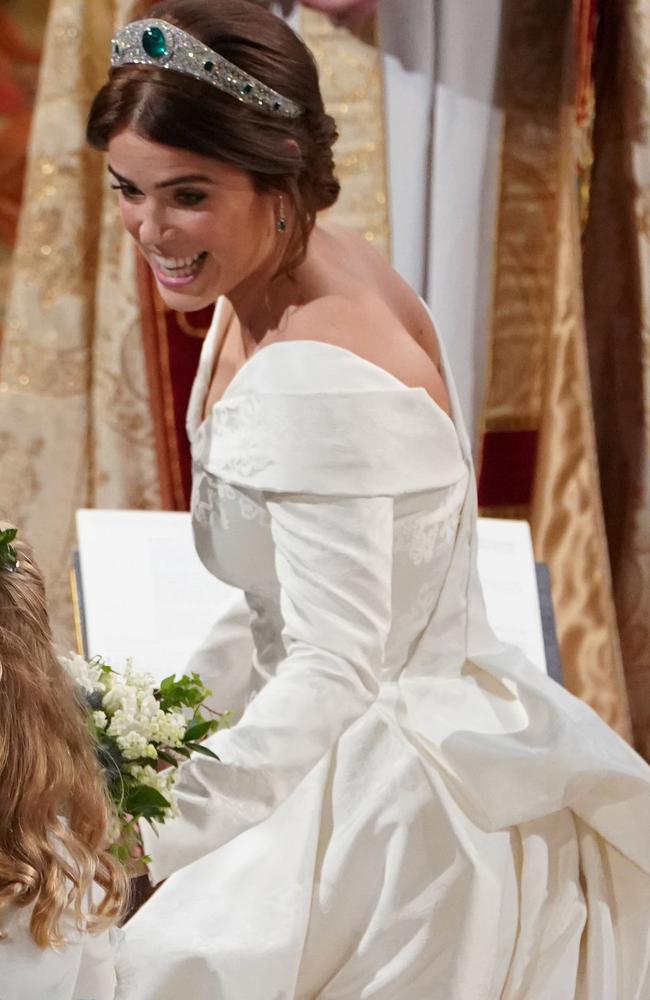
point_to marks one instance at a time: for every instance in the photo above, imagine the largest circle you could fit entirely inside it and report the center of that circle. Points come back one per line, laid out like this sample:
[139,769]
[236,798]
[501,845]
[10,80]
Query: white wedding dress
[407,809]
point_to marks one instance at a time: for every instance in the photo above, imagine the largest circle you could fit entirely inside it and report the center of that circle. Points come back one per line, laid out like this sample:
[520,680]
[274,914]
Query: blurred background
[498,152]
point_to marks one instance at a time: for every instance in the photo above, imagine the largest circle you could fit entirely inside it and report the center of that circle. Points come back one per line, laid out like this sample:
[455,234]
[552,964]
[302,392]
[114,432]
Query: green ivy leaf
[198,728]
[145,801]
[184,691]
[223,721]
[201,748]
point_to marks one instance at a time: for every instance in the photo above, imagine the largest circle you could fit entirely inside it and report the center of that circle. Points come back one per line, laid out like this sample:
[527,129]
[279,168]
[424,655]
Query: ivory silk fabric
[406,808]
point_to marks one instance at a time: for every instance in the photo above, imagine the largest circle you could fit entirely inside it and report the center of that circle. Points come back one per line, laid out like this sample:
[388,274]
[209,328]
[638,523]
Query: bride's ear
[292,146]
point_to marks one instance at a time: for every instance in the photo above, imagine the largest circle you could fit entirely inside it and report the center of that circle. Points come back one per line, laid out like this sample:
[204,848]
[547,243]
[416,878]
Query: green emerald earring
[281,224]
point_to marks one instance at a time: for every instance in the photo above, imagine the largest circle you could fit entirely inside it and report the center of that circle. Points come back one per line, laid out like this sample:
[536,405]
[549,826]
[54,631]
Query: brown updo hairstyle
[292,156]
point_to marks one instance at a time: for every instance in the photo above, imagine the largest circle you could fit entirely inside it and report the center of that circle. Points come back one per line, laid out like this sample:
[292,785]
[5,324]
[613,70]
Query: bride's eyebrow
[185,179]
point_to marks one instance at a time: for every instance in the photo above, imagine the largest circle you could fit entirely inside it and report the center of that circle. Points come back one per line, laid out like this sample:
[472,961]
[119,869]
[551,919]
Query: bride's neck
[262,300]
[260,309]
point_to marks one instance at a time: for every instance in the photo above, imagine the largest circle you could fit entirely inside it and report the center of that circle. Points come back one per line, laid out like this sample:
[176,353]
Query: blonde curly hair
[54,809]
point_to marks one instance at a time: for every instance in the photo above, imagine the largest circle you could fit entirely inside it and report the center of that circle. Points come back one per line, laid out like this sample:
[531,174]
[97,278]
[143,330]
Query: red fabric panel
[507,468]
[185,334]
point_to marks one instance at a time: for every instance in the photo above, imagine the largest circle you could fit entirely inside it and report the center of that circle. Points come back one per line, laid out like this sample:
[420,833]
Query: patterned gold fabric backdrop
[539,452]
[75,425]
[21,33]
[351,79]
[617,299]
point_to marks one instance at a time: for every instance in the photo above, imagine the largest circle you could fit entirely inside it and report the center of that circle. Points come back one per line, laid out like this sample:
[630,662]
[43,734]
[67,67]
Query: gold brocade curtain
[75,425]
[21,34]
[78,422]
[538,413]
[350,69]
[617,302]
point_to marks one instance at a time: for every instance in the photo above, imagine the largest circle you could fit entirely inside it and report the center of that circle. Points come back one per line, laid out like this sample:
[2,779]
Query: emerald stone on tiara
[153,42]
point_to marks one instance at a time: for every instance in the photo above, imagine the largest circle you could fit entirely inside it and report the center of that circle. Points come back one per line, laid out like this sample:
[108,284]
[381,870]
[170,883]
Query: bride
[405,808]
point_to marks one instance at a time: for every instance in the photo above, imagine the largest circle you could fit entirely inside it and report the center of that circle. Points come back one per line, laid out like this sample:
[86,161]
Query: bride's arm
[333,561]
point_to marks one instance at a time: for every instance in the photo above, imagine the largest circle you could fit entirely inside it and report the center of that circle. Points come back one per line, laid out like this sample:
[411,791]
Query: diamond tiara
[153,42]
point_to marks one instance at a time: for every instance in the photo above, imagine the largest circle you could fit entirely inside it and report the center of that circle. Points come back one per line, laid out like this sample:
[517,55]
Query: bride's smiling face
[199,223]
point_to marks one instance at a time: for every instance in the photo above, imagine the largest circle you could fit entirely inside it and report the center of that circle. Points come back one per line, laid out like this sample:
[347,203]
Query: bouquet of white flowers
[142,732]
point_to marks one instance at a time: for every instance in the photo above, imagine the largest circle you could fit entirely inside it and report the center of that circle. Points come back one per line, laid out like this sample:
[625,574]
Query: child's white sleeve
[97,977]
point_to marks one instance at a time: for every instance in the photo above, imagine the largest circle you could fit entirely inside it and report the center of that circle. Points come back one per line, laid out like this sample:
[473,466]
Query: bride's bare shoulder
[366,326]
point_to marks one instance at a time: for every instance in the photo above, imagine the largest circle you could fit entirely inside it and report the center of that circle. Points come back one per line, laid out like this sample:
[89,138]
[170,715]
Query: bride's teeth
[179,267]
[172,263]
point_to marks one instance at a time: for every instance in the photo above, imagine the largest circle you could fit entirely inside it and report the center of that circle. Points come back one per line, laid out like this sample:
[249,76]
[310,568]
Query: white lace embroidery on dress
[204,509]
[419,534]
[425,585]
[233,420]
[252,510]
[213,500]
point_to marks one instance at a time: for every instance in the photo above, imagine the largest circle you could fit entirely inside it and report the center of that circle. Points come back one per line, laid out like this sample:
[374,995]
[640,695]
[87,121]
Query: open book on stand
[141,591]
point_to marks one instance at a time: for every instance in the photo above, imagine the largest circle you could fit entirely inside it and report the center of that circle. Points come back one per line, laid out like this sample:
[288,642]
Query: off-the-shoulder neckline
[215,335]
